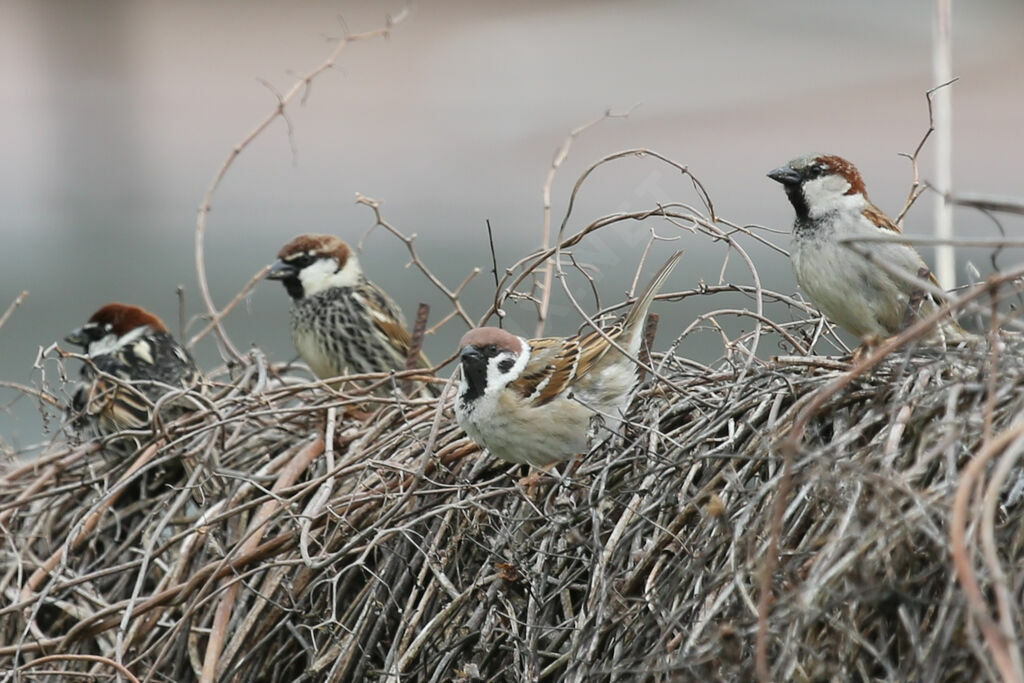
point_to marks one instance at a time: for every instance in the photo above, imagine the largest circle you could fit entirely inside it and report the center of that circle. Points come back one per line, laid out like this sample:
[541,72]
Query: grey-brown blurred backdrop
[117,113]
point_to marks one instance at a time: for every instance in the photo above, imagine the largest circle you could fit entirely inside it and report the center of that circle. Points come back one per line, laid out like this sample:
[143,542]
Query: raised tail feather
[634,324]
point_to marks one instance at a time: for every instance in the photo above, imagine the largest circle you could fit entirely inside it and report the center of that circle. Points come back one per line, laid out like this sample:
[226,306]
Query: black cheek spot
[294,287]
[506,365]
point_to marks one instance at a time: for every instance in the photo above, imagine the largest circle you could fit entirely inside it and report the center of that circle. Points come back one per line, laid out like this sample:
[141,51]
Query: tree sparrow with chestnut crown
[831,204]
[531,401]
[340,320]
[134,362]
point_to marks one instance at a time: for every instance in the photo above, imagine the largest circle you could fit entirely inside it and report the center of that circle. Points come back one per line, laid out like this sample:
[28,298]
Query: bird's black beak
[77,337]
[785,175]
[472,356]
[282,270]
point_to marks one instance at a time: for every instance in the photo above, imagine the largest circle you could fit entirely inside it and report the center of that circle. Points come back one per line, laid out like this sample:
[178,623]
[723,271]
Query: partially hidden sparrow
[831,204]
[532,400]
[133,362]
[340,321]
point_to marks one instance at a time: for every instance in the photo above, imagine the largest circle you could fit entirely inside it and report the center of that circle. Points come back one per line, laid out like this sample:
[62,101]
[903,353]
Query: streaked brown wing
[388,319]
[396,334]
[548,357]
[878,217]
[129,409]
[120,405]
[379,301]
[556,364]
[594,347]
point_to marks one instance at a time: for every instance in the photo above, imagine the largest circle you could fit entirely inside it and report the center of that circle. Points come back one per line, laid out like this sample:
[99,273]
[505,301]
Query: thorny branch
[451,294]
[917,188]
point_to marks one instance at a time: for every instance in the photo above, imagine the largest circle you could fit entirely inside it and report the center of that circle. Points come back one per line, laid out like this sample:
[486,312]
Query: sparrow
[532,400]
[831,203]
[133,362]
[340,320]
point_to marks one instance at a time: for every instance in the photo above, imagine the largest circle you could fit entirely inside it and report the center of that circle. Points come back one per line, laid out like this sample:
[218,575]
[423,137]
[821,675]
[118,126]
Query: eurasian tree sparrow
[532,401]
[134,361]
[867,301]
[340,320]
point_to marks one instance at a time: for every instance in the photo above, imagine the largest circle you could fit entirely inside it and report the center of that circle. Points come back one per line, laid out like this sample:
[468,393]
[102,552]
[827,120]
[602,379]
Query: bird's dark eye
[95,332]
[506,365]
[300,261]
[491,350]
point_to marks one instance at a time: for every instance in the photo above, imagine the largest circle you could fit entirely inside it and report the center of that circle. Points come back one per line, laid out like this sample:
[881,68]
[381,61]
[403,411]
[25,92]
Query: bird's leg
[916,298]
[867,345]
[536,476]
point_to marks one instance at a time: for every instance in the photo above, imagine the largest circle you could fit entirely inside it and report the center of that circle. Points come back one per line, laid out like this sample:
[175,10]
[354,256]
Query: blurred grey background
[117,114]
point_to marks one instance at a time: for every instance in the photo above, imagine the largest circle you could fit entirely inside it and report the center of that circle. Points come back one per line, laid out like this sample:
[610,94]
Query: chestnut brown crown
[122,318]
[500,339]
[314,246]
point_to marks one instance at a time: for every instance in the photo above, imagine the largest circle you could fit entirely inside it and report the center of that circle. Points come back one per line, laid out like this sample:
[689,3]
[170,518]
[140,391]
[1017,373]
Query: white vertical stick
[942,63]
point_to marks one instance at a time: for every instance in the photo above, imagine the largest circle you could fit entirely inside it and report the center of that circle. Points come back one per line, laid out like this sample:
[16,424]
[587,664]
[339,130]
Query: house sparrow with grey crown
[340,321]
[532,400]
[831,204]
[134,362]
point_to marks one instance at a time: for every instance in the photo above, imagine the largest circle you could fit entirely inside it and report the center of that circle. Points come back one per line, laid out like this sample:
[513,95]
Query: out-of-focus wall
[117,114]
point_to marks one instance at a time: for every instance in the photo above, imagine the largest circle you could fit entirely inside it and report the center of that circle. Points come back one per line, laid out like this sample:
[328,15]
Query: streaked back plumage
[341,322]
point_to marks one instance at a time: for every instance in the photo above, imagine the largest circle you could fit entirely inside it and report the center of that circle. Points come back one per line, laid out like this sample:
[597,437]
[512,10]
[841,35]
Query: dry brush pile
[776,512]
[840,518]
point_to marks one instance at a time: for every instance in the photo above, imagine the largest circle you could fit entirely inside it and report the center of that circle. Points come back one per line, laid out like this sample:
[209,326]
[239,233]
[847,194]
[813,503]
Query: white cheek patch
[314,277]
[496,379]
[827,194]
[324,274]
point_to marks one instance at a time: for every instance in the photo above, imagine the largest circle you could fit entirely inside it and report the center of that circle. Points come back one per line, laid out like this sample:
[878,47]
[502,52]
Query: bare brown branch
[14,304]
[302,85]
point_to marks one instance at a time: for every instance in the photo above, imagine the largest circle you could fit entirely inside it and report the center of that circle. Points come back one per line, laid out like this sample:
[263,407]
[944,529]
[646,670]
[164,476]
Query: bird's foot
[535,478]
[868,344]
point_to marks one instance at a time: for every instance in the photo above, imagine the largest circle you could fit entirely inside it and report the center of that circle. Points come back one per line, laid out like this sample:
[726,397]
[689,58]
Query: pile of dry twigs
[282,535]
